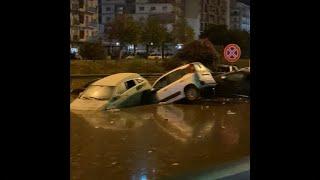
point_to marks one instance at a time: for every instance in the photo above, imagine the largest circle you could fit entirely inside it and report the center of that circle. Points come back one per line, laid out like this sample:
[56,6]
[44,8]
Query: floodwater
[157,141]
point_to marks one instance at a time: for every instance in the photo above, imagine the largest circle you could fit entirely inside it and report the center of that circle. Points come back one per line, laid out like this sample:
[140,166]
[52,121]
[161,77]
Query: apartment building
[239,16]
[200,13]
[83,20]
[162,11]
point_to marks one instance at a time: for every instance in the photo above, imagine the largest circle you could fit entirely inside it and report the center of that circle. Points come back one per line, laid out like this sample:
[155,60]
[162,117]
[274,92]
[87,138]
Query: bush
[199,51]
[169,64]
[92,51]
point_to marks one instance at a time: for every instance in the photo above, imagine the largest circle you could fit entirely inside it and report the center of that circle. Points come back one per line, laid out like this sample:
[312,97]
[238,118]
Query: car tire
[191,93]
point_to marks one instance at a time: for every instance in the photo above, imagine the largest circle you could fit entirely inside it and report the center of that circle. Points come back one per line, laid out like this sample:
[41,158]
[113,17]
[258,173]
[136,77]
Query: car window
[129,84]
[170,78]
[235,76]
[98,92]
[174,76]
[161,83]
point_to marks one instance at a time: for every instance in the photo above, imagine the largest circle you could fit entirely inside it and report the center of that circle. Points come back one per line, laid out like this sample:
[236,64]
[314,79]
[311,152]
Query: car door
[127,94]
[170,87]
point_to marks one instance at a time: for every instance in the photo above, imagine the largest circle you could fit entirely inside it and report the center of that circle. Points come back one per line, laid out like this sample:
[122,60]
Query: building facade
[162,11]
[110,9]
[83,20]
[201,13]
[239,16]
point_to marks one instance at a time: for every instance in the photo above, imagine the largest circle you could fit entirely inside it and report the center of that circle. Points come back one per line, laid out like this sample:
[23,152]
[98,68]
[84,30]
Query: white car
[223,68]
[115,91]
[154,56]
[183,82]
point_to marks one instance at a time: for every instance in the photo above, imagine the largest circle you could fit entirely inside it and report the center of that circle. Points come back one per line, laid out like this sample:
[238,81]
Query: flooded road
[157,141]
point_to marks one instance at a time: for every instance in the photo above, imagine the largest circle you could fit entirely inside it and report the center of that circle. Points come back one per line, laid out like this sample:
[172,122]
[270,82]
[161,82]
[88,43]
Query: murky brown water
[150,142]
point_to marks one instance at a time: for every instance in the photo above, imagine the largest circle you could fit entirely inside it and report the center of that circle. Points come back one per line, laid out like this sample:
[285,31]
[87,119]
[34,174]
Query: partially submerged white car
[115,91]
[183,82]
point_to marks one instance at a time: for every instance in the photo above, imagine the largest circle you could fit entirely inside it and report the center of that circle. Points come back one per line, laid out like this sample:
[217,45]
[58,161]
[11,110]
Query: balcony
[92,24]
[91,9]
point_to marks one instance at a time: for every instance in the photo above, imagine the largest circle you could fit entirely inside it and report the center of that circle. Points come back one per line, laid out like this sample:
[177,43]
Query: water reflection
[150,142]
[124,119]
[188,123]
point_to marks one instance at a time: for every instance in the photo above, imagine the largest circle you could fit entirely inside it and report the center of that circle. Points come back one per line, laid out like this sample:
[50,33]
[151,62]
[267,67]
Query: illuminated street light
[179,46]
[117,43]
[151,43]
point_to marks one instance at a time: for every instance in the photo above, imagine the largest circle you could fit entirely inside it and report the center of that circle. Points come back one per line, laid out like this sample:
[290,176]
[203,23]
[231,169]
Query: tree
[92,50]
[182,32]
[125,30]
[200,50]
[153,32]
[220,35]
[217,34]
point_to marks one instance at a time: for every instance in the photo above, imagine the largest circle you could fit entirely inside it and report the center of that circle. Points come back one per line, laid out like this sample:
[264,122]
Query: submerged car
[184,82]
[115,91]
[233,84]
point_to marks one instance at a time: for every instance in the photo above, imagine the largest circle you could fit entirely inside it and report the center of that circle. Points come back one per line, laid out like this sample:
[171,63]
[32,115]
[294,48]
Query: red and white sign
[232,53]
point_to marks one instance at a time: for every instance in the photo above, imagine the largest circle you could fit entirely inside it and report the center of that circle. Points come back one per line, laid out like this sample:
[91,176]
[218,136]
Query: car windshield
[98,92]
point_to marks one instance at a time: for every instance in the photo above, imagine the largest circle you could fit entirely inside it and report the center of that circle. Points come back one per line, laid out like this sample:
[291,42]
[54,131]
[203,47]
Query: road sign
[232,53]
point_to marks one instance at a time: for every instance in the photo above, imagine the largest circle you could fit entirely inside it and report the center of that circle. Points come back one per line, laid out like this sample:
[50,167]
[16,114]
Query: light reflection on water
[153,141]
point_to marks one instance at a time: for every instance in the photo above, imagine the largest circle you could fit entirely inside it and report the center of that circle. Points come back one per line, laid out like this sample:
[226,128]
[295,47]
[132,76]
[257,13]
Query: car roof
[180,67]
[225,65]
[115,79]
[244,70]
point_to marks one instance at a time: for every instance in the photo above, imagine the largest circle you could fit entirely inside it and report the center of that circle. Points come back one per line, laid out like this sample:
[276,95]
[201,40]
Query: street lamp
[151,43]
[117,43]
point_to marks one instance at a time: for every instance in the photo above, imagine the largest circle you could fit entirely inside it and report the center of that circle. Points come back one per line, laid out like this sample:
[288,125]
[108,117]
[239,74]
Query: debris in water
[111,122]
[223,102]
[149,151]
[207,107]
[199,136]
[113,110]
[230,112]
[114,163]
[175,164]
